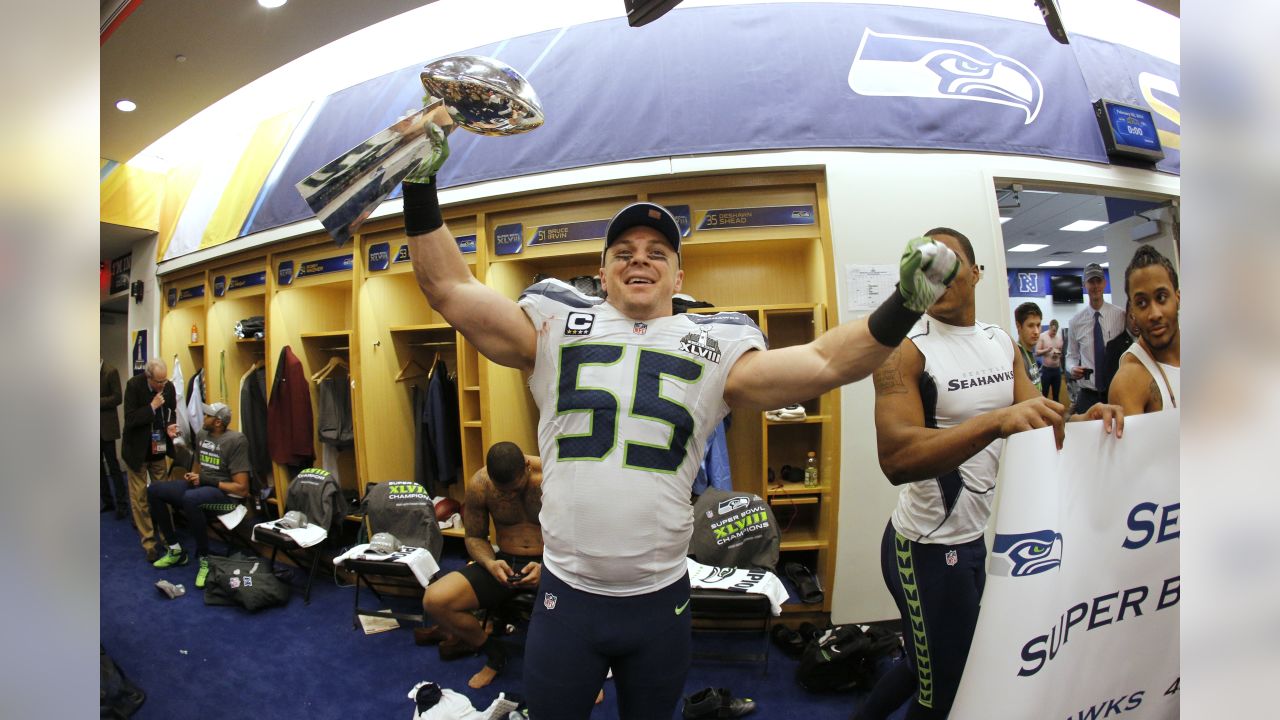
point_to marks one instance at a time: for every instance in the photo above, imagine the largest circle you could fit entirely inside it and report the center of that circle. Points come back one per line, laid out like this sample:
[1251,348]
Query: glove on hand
[437,153]
[926,268]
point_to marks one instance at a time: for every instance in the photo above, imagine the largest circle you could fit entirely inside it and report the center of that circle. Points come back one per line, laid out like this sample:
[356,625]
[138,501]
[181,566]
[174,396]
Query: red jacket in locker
[289,421]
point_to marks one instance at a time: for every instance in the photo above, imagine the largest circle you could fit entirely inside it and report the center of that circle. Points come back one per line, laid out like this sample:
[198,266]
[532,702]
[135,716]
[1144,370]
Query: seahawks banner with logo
[1079,617]
[849,75]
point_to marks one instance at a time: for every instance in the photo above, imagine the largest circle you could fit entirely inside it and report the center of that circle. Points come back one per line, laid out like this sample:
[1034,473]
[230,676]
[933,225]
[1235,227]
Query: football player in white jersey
[945,401]
[628,394]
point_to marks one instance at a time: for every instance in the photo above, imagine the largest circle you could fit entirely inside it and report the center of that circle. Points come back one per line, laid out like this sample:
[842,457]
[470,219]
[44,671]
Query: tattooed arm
[909,451]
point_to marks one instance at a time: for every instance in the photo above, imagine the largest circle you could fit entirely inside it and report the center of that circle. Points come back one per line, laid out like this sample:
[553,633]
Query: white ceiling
[1039,216]
[226,44]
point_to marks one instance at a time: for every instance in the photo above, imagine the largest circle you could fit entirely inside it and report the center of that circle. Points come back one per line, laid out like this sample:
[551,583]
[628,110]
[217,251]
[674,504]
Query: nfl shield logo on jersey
[640,328]
[951,557]
[549,601]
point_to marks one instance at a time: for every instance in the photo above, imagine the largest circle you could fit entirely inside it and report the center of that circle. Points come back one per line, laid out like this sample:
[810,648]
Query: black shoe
[805,581]
[790,641]
[716,703]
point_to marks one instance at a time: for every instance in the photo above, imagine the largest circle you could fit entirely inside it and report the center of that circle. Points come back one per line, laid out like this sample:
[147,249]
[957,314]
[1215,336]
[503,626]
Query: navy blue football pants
[938,589]
[192,501]
[575,637]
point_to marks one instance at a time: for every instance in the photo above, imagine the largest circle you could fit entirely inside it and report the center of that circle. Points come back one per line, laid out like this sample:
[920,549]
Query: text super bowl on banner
[1079,618]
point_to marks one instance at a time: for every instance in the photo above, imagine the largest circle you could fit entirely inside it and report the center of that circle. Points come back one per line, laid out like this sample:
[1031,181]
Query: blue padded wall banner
[758,77]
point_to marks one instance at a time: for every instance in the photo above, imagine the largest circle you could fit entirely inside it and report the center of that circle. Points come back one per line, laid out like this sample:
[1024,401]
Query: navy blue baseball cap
[643,213]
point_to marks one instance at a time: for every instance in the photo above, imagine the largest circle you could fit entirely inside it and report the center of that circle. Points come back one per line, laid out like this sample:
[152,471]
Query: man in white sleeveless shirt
[1148,378]
[628,395]
[945,401]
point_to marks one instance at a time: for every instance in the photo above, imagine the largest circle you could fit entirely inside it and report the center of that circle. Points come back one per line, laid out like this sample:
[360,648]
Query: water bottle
[195,334]
[811,471]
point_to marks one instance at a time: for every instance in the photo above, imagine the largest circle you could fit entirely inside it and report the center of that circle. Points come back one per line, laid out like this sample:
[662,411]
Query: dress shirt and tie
[1091,330]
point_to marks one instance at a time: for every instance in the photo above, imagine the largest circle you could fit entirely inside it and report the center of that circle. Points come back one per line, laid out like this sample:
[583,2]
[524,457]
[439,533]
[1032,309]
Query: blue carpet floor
[307,661]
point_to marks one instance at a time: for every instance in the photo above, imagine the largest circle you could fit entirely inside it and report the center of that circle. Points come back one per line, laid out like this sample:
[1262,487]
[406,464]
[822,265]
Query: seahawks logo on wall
[889,65]
[1022,554]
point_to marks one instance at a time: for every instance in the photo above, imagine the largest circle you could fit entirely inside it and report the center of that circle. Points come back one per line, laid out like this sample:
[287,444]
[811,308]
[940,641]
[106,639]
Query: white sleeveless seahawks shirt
[626,408]
[967,371]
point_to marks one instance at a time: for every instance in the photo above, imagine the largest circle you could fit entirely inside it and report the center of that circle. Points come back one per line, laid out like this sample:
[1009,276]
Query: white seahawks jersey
[626,410]
[968,371]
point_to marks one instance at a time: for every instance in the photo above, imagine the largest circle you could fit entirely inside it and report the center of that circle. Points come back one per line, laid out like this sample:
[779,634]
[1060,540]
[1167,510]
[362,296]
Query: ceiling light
[1084,225]
[1004,220]
[1052,263]
[1027,247]
[126,106]
[271,3]
[1096,249]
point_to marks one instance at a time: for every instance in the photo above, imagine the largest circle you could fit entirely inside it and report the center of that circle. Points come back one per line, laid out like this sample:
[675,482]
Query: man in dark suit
[112,480]
[150,424]
[1115,348]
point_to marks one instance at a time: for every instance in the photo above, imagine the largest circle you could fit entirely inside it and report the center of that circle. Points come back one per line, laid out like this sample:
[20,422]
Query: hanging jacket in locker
[253,423]
[714,471]
[289,421]
[424,461]
[444,434]
[333,398]
[195,402]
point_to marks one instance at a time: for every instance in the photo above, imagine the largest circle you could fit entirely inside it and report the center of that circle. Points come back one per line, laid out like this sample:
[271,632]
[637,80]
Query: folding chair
[315,493]
[733,530]
[404,509]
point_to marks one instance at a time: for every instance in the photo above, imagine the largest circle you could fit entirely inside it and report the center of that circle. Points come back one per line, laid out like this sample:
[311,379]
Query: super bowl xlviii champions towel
[760,582]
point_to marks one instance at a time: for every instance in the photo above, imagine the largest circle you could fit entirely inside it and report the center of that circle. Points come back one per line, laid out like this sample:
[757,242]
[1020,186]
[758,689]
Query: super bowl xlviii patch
[640,328]
[579,323]
[951,557]
[701,344]
[549,601]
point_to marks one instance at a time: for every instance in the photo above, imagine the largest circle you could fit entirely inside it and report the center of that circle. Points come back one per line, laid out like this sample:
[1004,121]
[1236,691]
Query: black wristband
[208,481]
[421,208]
[891,322]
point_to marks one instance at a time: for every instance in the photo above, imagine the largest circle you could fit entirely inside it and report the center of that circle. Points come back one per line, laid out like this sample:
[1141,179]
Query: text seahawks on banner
[1080,613]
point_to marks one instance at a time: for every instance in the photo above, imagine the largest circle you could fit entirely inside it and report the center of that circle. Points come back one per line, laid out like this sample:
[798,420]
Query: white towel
[759,582]
[424,566]
[304,536]
[232,519]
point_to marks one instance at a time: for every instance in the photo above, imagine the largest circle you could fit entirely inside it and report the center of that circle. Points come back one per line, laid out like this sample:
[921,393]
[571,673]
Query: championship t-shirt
[223,456]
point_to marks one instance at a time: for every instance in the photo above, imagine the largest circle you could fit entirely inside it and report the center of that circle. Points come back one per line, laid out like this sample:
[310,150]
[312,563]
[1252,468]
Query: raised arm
[909,451]
[850,351]
[764,379]
[494,324]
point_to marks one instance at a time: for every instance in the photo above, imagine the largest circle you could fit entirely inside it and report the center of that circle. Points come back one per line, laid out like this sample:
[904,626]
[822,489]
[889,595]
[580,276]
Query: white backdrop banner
[1079,618]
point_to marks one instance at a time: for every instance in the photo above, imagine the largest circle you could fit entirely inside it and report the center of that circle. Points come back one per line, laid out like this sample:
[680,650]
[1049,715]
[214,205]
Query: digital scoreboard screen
[1128,131]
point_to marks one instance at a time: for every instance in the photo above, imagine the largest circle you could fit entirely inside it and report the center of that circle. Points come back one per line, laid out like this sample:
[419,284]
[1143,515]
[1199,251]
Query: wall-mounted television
[1067,288]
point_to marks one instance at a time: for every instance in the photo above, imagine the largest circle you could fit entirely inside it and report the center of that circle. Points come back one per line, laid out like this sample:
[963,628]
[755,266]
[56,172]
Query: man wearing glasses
[150,424]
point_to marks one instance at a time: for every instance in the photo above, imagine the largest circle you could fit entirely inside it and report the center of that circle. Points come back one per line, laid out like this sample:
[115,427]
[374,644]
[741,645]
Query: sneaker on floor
[203,573]
[171,558]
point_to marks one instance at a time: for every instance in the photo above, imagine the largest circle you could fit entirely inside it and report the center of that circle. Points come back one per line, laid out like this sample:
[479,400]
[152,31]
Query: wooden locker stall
[400,339]
[184,301]
[239,292]
[310,309]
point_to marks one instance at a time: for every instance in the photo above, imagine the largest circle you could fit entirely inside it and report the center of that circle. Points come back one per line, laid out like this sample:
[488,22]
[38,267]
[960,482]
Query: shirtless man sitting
[508,489]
